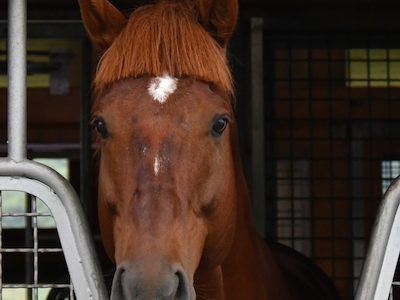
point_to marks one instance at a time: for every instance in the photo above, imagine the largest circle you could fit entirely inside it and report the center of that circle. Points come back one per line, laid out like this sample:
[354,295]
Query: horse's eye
[219,126]
[101,128]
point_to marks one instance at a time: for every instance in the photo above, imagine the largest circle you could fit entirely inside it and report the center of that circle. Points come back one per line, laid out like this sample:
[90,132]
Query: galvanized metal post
[257,113]
[17,80]
[384,248]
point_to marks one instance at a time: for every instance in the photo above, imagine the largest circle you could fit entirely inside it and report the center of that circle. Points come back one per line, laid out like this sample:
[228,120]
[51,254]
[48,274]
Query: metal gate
[333,128]
[40,182]
[326,102]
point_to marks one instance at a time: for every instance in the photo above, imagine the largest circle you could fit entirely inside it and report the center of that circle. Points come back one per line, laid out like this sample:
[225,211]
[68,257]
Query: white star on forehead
[161,88]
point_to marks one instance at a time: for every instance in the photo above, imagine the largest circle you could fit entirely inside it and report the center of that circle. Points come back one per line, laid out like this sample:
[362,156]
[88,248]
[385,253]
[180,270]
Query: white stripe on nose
[156,165]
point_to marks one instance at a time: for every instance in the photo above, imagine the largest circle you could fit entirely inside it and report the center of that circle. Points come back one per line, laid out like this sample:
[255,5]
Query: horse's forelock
[164,38]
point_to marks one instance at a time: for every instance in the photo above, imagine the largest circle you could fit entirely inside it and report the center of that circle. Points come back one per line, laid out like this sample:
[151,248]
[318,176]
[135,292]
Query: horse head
[167,142]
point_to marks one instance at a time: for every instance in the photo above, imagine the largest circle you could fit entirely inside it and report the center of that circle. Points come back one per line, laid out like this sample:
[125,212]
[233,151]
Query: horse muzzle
[155,281]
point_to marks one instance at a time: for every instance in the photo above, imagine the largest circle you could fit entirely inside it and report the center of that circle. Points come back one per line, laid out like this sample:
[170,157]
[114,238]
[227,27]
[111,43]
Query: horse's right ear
[102,21]
[219,17]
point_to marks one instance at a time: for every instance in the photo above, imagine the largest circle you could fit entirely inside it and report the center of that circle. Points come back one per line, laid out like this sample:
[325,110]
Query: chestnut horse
[174,209]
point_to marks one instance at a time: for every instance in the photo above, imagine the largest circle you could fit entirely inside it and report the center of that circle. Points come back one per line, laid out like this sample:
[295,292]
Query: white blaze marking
[156,165]
[161,88]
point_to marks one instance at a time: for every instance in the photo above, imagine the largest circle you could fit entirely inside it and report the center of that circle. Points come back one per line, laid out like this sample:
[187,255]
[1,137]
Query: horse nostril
[182,289]
[117,285]
[175,286]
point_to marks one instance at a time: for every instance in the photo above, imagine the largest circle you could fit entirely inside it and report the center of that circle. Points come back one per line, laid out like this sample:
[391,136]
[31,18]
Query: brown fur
[164,38]
[213,16]
[101,16]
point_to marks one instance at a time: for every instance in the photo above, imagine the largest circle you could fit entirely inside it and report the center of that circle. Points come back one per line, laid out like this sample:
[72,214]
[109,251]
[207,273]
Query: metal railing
[17,173]
[383,253]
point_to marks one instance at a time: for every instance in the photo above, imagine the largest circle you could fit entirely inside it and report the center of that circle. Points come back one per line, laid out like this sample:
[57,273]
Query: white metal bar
[30,250]
[59,196]
[384,248]
[26,214]
[35,247]
[17,79]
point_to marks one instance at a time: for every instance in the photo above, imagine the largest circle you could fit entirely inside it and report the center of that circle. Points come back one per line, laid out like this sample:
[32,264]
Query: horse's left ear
[102,20]
[219,17]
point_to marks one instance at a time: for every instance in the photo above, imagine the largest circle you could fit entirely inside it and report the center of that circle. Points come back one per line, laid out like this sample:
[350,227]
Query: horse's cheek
[106,229]
[218,242]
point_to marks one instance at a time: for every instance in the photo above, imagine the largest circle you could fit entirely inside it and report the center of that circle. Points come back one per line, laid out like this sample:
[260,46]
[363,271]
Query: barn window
[390,170]
[373,67]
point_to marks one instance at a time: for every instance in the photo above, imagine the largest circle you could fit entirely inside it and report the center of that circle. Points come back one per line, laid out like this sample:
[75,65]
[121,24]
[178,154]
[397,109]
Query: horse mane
[160,38]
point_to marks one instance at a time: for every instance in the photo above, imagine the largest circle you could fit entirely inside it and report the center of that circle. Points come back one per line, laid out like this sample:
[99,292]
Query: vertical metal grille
[335,123]
[32,266]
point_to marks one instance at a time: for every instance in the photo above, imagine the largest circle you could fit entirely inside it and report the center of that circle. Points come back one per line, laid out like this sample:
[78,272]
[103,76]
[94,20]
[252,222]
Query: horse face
[166,184]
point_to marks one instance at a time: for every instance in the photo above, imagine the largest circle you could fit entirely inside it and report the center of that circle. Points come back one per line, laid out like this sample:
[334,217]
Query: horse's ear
[219,17]
[102,21]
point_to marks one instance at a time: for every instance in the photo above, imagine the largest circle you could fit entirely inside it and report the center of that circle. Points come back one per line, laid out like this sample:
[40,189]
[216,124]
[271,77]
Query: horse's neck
[209,284]
[250,270]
